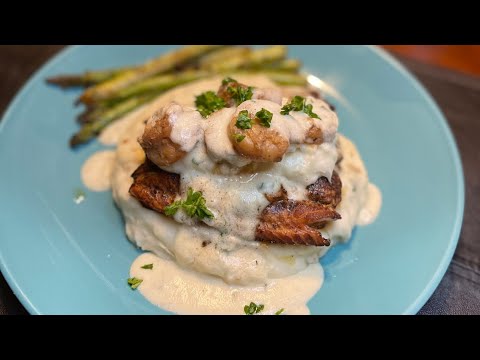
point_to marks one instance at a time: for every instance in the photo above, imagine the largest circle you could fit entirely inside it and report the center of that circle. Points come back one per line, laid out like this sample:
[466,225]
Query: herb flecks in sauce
[209,102]
[147,266]
[280,311]
[194,205]
[298,103]
[253,308]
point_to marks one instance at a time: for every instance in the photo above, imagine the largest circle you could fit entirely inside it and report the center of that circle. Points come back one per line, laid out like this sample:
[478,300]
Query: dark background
[456,91]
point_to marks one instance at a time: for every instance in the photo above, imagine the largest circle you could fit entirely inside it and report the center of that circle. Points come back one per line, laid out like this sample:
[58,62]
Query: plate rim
[454,236]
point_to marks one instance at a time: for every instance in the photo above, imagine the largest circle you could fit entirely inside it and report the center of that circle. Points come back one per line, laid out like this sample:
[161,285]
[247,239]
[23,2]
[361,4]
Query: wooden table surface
[459,98]
[462,58]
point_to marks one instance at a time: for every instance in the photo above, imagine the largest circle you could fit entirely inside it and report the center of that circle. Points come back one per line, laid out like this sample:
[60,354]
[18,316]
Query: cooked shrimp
[314,135]
[259,143]
[156,141]
[319,129]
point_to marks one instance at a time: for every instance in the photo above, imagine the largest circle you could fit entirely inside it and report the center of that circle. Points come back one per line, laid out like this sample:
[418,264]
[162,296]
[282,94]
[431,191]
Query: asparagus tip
[75,141]
[65,81]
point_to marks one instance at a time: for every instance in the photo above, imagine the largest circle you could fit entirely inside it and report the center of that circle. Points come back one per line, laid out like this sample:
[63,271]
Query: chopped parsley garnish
[79,196]
[308,109]
[147,266]
[228,80]
[134,282]
[280,311]
[194,205]
[238,137]
[298,103]
[243,120]
[209,102]
[265,117]
[253,308]
[239,93]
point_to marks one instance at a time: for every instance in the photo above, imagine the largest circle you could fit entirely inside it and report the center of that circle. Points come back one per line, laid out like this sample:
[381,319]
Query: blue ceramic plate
[63,258]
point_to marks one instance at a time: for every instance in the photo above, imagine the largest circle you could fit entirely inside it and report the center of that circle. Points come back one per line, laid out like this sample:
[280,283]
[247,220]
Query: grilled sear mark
[325,192]
[154,187]
[294,223]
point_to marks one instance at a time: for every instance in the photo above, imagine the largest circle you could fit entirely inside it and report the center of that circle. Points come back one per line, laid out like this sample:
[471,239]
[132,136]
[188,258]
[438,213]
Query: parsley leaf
[280,311]
[243,120]
[194,205]
[147,266]
[134,282]
[228,80]
[253,308]
[265,117]
[79,196]
[172,209]
[238,137]
[240,94]
[298,103]
[308,109]
[208,102]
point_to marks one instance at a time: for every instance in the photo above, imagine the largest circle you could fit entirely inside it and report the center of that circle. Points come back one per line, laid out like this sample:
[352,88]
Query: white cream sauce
[219,263]
[361,200]
[112,133]
[371,208]
[97,170]
[179,290]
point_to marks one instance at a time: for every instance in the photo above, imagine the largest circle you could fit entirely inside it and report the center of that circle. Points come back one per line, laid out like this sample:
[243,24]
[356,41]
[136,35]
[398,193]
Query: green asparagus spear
[285,78]
[160,83]
[287,65]
[164,63]
[213,61]
[92,129]
[86,79]
[91,114]
[154,85]
[254,58]
[282,78]
[279,77]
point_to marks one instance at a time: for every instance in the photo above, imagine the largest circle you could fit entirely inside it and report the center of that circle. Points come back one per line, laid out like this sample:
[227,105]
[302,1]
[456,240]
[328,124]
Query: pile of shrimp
[173,131]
